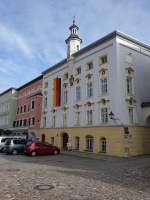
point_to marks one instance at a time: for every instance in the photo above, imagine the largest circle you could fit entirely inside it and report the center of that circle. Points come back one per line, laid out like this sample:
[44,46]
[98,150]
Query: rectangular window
[45,102]
[24,108]
[65,97]
[131,117]
[64,119]
[77,118]
[32,105]
[66,76]
[78,70]
[78,93]
[129,86]
[89,117]
[89,65]
[46,85]
[21,109]
[29,121]
[104,115]
[104,85]
[103,59]
[33,120]
[20,123]
[89,89]
[24,122]
[54,121]
[44,121]
[18,110]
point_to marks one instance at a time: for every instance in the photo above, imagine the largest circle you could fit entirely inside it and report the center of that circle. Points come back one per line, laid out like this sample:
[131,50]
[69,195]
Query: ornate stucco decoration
[54,110]
[65,85]
[103,71]
[89,76]
[130,70]
[104,101]
[131,101]
[65,108]
[89,103]
[77,106]
[77,80]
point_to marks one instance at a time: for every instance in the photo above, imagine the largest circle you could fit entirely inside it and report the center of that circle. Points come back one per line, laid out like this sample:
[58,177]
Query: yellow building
[113,140]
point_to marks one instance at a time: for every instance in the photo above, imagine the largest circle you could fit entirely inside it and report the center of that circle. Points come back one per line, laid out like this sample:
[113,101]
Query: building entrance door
[65,141]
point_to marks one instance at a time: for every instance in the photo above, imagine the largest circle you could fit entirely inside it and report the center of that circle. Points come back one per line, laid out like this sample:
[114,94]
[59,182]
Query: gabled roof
[97,43]
[8,90]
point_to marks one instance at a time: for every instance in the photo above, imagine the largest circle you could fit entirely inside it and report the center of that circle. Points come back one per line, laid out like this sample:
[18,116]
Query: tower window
[78,47]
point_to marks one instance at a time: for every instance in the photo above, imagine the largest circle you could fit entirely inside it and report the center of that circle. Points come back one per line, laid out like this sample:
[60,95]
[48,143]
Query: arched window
[77,143]
[89,143]
[103,145]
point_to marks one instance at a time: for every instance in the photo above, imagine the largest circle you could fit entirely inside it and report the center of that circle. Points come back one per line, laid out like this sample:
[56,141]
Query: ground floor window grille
[103,145]
[89,143]
[77,143]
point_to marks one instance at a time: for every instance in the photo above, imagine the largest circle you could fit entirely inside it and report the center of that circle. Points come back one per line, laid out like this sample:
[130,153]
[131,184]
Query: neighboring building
[8,108]
[99,86]
[29,104]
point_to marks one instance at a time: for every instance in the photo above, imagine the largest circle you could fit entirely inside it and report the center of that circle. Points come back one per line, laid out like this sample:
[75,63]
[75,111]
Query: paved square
[74,178]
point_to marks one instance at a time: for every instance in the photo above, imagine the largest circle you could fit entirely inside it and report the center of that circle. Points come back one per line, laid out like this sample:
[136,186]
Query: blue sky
[33,32]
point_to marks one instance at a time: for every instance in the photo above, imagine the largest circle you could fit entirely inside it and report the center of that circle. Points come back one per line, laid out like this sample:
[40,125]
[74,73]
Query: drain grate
[44,187]
[13,170]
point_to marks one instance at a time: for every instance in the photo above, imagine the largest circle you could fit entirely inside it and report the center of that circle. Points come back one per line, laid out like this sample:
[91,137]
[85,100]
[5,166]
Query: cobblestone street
[73,178]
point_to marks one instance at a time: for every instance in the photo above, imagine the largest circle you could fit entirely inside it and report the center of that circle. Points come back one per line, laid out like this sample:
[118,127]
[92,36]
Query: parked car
[3,140]
[15,146]
[40,148]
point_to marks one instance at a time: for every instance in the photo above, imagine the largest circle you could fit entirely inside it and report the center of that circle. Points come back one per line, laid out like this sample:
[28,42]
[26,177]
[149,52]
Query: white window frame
[89,89]
[104,115]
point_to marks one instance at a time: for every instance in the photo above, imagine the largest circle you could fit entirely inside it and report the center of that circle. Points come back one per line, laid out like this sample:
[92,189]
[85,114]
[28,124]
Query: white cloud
[13,40]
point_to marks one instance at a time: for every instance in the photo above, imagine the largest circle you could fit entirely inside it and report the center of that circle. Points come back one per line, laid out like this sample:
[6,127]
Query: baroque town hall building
[96,99]
[94,91]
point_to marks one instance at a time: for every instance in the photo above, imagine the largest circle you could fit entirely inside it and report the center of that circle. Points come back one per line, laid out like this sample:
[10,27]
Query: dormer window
[103,59]
[66,76]
[89,65]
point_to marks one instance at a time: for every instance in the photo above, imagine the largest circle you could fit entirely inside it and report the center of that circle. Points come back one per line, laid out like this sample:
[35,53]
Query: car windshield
[7,142]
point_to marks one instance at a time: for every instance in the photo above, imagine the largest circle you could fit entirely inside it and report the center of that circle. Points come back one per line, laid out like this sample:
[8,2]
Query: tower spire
[73,41]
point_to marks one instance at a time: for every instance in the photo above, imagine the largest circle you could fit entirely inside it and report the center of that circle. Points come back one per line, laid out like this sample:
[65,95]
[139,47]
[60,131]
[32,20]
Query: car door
[46,148]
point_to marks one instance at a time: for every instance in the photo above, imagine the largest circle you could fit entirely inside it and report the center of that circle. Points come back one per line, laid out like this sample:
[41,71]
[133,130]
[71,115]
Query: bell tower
[73,41]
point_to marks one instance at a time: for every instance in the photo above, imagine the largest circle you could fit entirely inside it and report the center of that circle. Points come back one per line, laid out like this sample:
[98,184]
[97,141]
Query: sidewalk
[91,155]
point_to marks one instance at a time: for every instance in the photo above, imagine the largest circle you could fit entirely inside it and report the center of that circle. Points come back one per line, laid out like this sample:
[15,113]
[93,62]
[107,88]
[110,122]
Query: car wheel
[14,152]
[33,153]
[56,152]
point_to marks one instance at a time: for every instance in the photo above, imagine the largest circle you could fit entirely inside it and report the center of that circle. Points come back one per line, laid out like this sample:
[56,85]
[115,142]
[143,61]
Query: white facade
[8,108]
[114,79]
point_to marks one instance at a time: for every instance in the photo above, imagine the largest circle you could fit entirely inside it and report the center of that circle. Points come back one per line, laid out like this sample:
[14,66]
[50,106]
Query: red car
[39,148]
